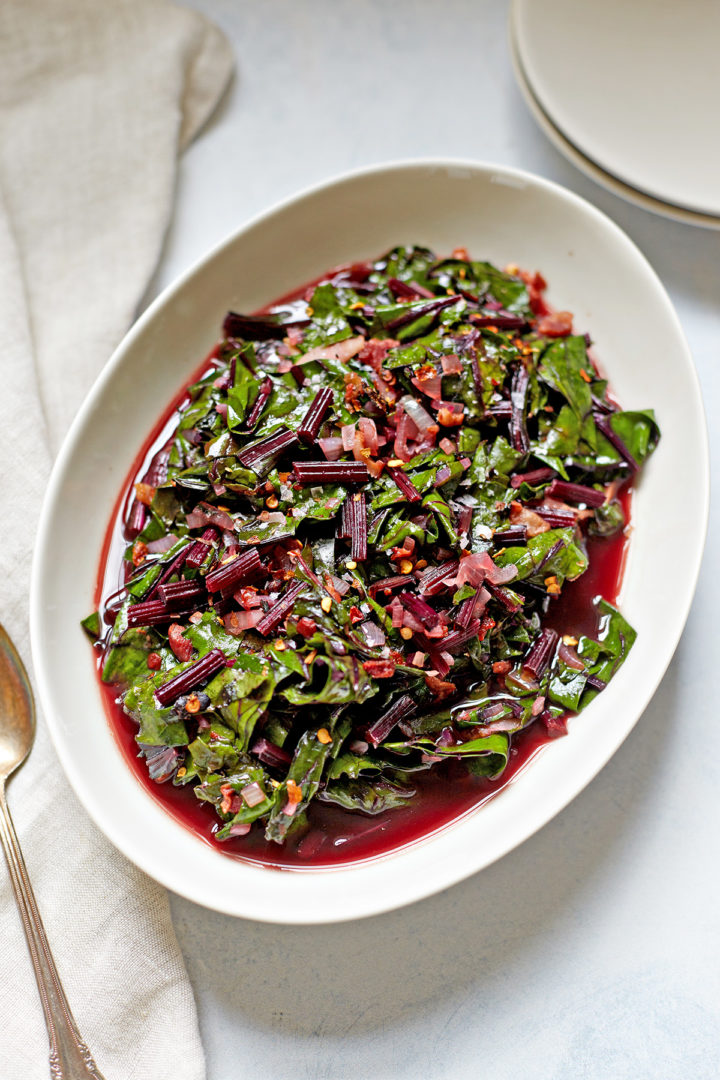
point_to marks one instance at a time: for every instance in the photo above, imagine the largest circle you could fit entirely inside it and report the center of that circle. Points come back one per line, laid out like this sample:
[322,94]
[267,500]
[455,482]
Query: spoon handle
[70,1058]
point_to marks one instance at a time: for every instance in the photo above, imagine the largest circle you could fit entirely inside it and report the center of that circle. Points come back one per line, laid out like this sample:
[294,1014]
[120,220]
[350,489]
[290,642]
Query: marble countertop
[591,952]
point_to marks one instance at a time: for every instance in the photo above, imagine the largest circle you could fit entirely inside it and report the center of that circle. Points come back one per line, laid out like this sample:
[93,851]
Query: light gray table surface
[593,950]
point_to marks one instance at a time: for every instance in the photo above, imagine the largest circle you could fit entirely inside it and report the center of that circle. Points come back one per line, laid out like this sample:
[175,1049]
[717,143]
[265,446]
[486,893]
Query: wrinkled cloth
[96,101]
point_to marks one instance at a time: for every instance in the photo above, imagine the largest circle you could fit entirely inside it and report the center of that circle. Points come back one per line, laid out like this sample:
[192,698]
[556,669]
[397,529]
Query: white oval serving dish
[498,213]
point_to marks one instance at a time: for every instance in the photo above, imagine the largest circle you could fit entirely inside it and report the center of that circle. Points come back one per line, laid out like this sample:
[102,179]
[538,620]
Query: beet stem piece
[356,519]
[176,595]
[540,653]
[229,574]
[330,472]
[405,484]
[265,453]
[381,728]
[578,493]
[264,393]
[518,397]
[423,612]
[312,421]
[282,608]
[197,673]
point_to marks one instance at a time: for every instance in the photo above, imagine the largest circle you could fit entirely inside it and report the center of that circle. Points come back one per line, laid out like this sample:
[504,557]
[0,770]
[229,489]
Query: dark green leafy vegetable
[342,563]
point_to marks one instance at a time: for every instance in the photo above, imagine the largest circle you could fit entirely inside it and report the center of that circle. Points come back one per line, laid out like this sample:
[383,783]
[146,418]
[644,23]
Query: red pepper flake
[584,375]
[139,551]
[356,614]
[154,661]
[486,625]
[227,794]
[502,667]
[180,645]
[379,669]
[192,705]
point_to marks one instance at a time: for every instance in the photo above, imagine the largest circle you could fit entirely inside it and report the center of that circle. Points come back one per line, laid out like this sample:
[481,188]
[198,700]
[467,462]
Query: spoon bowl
[17,709]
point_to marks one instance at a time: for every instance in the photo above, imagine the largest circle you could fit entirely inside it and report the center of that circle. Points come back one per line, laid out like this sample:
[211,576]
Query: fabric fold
[96,101]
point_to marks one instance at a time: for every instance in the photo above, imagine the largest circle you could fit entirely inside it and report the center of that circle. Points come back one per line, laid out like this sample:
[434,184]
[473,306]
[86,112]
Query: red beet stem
[330,472]
[191,677]
[198,551]
[264,393]
[389,583]
[518,396]
[229,574]
[535,476]
[540,653]
[149,613]
[312,421]
[265,453]
[458,638]
[423,612]
[405,484]
[432,581]
[577,493]
[381,728]
[356,518]
[281,609]
[176,595]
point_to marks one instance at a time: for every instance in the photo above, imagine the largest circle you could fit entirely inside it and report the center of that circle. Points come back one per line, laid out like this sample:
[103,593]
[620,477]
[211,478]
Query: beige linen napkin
[96,99]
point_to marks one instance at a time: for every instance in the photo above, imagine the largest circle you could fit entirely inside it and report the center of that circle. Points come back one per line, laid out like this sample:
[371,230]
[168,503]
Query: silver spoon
[70,1058]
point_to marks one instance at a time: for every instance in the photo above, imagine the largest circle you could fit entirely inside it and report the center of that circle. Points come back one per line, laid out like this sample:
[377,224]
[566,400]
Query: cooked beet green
[341,568]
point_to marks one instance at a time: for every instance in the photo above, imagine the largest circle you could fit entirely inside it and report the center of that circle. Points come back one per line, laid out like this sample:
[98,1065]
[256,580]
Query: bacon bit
[324,736]
[283,477]
[306,627]
[405,566]
[406,633]
[379,669]
[227,796]
[486,625]
[439,688]
[139,552]
[461,254]
[502,667]
[272,502]
[145,493]
[356,614]
[521,515]
[326,603]
[180,645]
[555,726]
[556,324]
[192,705]
[154,661]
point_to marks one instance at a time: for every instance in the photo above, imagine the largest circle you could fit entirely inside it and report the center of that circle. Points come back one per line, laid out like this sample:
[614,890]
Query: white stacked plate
[629,93]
